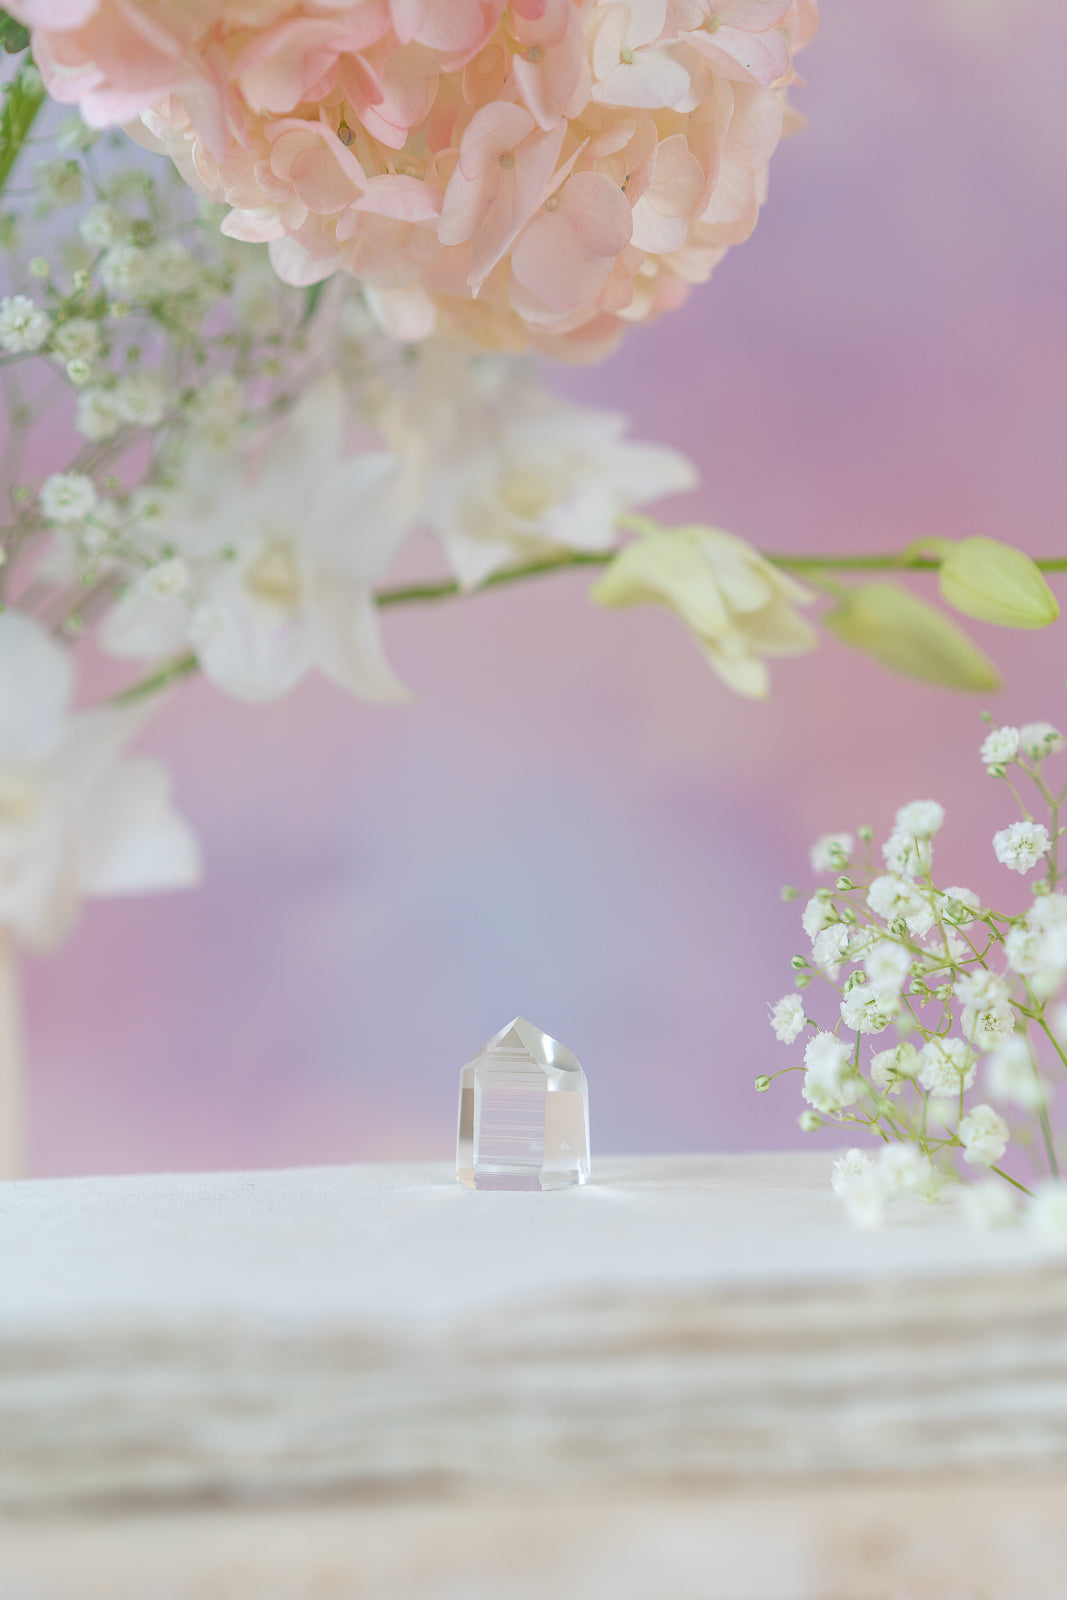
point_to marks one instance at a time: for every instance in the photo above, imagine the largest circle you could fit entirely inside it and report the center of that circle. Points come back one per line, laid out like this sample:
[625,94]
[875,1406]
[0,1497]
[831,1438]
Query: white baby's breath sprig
[941,1034]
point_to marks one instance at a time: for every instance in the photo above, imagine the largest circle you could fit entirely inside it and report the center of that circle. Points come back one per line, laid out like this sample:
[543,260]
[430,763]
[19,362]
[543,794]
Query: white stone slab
[382,1243]
[379,1331]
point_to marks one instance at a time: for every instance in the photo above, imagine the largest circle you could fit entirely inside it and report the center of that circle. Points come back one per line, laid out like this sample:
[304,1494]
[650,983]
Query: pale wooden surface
[883,1541]
[695,1364]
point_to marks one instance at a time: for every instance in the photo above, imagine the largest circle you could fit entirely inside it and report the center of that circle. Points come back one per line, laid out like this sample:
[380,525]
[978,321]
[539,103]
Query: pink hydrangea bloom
[520,171]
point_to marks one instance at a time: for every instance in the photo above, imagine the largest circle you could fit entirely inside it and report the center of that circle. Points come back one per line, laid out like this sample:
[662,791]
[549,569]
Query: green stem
[1014,1181]
[532,569]
[1047,1031]
[20,107]
[170,672]
[889,563]
[446,589]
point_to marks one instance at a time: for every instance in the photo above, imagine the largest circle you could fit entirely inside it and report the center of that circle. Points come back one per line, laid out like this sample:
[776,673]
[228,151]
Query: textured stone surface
[370,1331]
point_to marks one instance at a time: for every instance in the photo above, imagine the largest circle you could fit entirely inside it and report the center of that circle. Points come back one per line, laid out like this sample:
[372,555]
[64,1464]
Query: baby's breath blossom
[99,415]
[141,400]
[887,964]
[831,852]
[215,411]
[830,1083]
[1048,1214]
[958,905]
[1023,949]
[1048,914]
[850,1169]
[898,1174]
[984,1136]
[167,578]
[866,1012]
[104,225]
[67,497]
[1021,845]
[988,1206]
[893,898]
[907,855]
[889,1068]
[817,915]
[787,1018]
[989,1027]
[987,1014]
[1012,1078]
[953,982]
[1040,739]
[946,1066]
[903,1170]
[24,324]
[58,182]
[125,271]
[945,943]
[921,819]
[829,948]
[77,340]
[890,898]
[1000,746]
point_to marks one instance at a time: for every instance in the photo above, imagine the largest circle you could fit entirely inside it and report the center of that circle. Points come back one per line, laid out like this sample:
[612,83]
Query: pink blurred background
[575,820]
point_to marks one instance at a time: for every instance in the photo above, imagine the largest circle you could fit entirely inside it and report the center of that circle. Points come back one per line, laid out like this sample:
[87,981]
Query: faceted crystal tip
[523,1114]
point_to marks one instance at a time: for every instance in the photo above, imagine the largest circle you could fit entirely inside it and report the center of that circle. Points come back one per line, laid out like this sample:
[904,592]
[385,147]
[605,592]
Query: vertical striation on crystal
[523,1114]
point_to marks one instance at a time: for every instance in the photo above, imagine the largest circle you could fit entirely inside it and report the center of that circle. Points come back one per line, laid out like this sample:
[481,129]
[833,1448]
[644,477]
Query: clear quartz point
[523,1114]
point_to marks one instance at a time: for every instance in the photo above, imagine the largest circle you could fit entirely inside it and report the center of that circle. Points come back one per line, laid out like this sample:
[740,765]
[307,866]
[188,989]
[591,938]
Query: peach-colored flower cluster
[524,171]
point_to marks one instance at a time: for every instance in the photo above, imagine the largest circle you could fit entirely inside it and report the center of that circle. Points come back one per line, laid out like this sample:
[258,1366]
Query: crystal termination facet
[523,1114]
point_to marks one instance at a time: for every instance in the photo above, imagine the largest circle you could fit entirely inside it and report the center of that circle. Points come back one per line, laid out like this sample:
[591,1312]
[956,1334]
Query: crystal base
[523,1114]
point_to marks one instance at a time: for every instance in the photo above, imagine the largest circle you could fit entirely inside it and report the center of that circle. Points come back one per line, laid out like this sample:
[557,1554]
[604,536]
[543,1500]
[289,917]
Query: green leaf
[14,38]
[20,107]
[997,583]
[888,622]
[312,296]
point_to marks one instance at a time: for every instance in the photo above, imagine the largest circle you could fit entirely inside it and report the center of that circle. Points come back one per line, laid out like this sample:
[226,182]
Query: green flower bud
[997,583]
[808,1121]
[798,963]
[844,884]
[762,1085]
[865,833]
[905,634]
[996,771]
